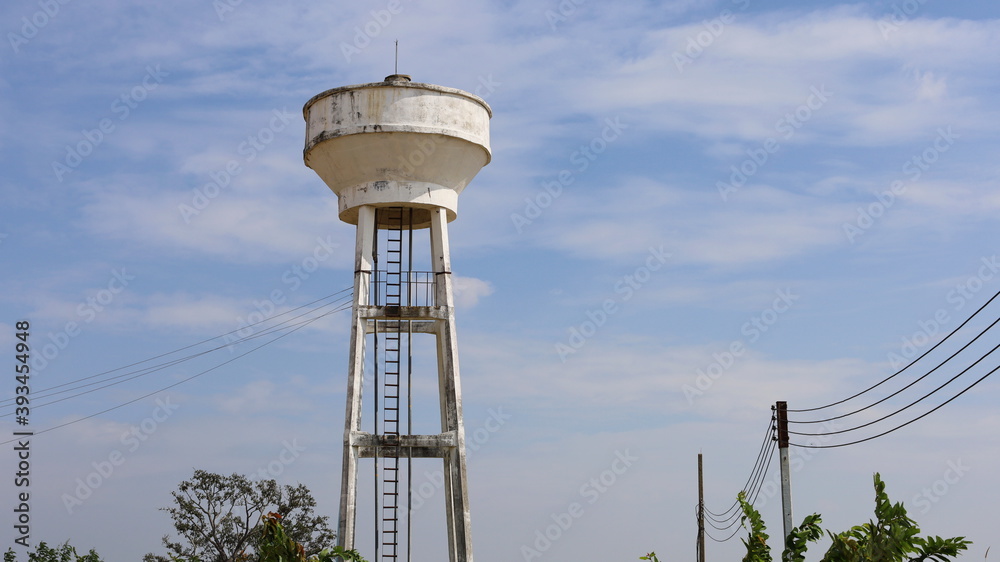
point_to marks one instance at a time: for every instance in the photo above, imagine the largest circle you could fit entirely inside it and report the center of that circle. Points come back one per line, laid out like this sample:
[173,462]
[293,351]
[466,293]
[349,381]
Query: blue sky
[810,184]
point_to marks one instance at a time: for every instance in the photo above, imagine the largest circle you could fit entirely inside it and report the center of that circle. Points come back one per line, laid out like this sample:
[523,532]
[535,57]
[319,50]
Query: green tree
[45,553]
[891,537]
[756,541]
[277,546]
[219,518]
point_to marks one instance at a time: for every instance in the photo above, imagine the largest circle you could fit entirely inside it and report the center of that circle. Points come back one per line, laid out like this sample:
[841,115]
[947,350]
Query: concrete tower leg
[363,255]
[456,485]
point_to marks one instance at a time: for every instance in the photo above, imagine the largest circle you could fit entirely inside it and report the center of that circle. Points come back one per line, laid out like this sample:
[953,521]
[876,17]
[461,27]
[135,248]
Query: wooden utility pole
[701,513]
[786,477]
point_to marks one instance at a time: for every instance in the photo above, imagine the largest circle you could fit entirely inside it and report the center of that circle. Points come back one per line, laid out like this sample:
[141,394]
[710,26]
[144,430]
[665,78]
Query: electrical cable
[38,393]
[751,490]
[760,454]
[749,494]
[922,398]
[751,501]
[935,346]
[299,327]
[162,366]
[159,367]
[774,446]
[709,535]
[747,486]
[922,377]
[981,379]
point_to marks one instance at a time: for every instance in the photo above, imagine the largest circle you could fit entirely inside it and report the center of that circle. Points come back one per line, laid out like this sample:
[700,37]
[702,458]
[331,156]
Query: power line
[750,491]
[106,410]
[922,377]
[763,474]
[751,478]
[949,381]
[41,393]
[907,366]
[981,379]
[163,366]
[735,531]
[751,500]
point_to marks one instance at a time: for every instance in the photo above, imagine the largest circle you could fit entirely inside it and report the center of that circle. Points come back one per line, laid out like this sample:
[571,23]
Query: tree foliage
[756,541]
[221,518]
[798,538]
[62,553]
[891,537]
[277,546]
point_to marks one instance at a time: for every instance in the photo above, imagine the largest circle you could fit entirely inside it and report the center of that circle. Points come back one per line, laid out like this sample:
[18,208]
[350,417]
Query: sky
[694,209]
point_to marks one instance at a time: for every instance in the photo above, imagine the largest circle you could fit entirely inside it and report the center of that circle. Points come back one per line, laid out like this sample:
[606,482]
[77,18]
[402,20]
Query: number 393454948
[22,372]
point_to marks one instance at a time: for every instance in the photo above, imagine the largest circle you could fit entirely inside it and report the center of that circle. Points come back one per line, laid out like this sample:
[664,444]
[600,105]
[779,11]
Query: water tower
[397,154]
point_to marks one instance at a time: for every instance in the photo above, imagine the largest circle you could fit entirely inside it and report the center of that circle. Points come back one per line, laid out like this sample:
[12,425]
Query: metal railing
[407,288]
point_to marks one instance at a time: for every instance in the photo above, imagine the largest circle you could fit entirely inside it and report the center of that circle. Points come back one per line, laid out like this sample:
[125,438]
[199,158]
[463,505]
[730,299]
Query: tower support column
[363,256]
[450,389]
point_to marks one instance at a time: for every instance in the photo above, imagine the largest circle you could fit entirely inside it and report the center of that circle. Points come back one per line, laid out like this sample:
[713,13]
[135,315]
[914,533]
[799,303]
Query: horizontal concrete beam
[393,326]
[403,446]
[404,312]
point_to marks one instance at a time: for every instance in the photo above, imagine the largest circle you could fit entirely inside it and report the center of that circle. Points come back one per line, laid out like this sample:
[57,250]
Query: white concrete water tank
[397,143]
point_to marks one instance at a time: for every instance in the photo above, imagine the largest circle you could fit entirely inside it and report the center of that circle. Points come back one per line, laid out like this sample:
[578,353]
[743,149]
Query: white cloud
[469,290]
[621,224]
[232,226]
[756,70]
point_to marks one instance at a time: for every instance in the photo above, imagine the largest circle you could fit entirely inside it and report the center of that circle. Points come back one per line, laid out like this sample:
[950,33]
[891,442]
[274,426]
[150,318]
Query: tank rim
[399,84]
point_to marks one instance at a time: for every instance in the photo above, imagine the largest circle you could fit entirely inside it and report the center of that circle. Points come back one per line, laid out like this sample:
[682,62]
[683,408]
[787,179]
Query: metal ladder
[394,284]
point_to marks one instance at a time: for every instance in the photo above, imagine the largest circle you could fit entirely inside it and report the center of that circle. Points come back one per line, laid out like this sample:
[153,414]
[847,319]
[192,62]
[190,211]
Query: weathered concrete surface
[397,143]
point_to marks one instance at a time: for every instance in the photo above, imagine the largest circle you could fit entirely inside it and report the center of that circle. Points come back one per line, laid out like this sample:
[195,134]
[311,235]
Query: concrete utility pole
[701,512]
[786,477]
